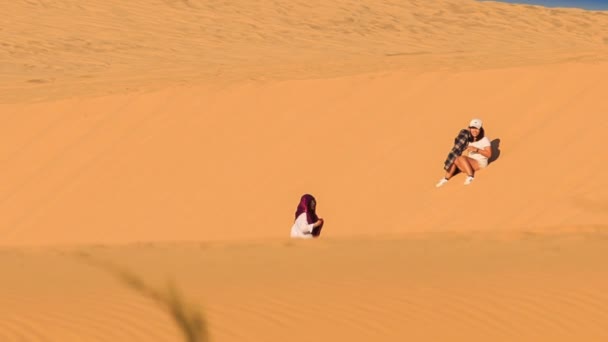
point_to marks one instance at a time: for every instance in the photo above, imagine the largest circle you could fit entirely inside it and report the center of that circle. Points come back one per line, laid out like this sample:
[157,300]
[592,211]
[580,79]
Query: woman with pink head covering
[307,225]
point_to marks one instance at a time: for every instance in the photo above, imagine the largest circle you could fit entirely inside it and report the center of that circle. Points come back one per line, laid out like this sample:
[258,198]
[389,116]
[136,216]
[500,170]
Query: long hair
[479,136]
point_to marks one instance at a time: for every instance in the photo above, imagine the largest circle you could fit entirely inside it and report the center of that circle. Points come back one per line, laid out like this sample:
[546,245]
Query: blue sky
[586,4]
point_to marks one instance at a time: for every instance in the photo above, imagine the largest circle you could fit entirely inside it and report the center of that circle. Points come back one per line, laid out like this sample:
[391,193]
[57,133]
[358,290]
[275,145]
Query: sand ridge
[187,163]
[475,287]
[153,154]
[54,49]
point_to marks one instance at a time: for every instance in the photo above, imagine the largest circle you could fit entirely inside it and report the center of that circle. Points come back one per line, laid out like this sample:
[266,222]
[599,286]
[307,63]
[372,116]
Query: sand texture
[153,154]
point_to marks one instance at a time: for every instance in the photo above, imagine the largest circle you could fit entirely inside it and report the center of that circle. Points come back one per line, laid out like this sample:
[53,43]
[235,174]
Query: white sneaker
[441,182]
[469,180]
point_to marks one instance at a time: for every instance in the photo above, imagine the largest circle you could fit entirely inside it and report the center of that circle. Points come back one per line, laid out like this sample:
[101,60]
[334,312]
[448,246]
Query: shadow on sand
[189,319]
[495,144]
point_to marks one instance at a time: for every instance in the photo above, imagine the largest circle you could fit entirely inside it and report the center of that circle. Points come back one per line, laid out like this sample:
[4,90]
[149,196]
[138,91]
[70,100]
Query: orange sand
[174,138]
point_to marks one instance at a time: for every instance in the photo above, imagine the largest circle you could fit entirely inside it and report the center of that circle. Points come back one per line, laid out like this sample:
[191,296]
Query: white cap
[475,123]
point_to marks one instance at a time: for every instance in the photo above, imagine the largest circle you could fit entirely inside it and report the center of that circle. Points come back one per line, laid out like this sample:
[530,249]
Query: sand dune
[428,287]
[61,48]
[173,139]
[190,163]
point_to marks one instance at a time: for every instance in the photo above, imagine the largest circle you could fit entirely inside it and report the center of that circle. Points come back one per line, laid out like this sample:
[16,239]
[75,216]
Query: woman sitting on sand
[474,142]
[307,225]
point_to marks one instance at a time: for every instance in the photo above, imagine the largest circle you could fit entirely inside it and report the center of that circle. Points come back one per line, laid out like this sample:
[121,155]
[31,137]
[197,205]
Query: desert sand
[153,154]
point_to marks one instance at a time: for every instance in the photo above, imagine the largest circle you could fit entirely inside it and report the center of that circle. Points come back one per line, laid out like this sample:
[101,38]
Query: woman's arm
[486,151]
[303,226]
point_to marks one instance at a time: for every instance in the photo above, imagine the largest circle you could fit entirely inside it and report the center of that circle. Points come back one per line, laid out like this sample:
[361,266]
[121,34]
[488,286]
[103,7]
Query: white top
[301,228]
[481,144]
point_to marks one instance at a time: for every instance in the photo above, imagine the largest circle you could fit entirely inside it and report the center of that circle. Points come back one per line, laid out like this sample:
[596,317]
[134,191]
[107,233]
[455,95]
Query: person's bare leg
[474,163]
[469,165]
[450,171]
[463,165]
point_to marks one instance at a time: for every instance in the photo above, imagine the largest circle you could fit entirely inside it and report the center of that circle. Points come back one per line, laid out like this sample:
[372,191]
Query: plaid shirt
[460,143]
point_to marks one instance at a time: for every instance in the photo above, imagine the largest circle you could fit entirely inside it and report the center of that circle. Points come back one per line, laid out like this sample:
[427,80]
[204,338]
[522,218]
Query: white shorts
[481,161]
